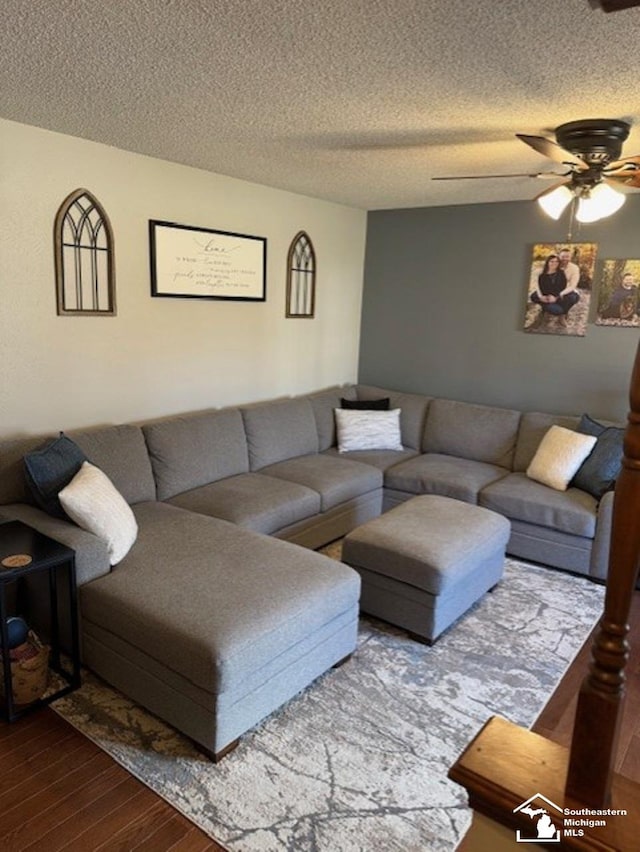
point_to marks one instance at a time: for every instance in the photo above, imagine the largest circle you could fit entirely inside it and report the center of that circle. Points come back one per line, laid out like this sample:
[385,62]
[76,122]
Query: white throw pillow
[95,504]
[368,430]
[559,456]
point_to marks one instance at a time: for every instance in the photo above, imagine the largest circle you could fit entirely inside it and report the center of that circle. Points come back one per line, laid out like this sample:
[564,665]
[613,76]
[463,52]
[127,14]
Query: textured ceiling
[356,101]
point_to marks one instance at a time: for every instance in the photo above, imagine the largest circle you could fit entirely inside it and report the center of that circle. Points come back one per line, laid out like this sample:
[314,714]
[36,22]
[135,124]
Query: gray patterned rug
[359,760]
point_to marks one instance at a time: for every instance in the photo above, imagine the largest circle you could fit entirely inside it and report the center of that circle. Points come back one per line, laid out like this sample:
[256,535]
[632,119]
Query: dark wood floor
[60,791]
[556,720]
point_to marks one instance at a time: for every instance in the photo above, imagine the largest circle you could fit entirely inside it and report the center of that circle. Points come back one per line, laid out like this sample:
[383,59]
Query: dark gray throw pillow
[48,469]
[601,468]
[366,404]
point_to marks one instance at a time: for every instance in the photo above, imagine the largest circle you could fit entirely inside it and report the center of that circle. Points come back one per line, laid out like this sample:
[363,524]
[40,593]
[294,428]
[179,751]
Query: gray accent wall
[445,291]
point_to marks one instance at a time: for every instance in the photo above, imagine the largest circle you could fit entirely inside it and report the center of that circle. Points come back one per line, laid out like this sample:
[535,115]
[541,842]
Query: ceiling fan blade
[484,177]
[552,150]
[629,178]
[550,189]
[625,162]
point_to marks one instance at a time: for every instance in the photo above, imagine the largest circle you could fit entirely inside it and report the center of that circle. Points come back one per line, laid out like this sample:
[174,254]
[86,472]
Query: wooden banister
[601,697]
[505,764]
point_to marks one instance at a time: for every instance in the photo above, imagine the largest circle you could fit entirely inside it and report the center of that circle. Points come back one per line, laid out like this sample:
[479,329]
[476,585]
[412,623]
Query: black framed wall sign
[201,263]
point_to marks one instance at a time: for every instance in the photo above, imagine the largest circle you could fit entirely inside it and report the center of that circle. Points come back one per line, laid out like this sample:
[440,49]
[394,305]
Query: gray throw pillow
[601,468]
[49,469]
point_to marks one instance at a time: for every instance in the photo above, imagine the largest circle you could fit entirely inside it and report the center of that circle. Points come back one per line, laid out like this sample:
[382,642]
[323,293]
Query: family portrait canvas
[559,288]
[618,294]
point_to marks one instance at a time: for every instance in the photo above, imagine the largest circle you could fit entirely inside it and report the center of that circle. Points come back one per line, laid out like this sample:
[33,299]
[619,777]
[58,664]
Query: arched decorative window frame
[59,246]
[310,277]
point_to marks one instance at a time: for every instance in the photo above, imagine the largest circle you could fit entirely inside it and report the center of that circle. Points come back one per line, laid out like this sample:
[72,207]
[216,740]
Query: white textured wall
[160,356]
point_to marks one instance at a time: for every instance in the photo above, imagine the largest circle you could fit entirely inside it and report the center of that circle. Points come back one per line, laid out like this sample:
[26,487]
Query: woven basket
[29,670]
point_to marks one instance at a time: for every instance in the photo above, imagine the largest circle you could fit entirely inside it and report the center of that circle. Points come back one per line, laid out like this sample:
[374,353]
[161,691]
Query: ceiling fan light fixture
[554,203]
[598,203]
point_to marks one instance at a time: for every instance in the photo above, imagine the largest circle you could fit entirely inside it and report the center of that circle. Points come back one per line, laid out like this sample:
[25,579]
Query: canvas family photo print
[618,293]
[559,288]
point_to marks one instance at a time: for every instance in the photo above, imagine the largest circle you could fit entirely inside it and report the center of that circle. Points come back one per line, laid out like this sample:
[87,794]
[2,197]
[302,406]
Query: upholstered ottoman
[425,562]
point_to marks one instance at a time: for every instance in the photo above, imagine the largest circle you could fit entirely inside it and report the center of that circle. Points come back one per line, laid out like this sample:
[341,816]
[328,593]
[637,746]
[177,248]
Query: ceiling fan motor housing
[595,140]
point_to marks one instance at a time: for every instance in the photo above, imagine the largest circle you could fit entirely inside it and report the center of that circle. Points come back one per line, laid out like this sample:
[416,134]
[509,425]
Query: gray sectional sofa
[479,454]
[215,617]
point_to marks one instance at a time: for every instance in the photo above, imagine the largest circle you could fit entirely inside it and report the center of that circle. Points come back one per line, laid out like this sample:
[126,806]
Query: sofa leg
[342,661]
[216,756]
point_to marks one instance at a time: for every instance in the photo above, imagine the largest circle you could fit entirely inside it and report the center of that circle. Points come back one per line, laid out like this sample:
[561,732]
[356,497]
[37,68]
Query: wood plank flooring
[59,791]
[556,720]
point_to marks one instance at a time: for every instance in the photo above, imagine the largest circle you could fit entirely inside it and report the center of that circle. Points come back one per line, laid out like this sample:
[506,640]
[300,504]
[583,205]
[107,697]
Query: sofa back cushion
[196,449]
[324,403]
[413,410]
[280,430]
[534,425]
[477,432]
[121,452]
[13,484]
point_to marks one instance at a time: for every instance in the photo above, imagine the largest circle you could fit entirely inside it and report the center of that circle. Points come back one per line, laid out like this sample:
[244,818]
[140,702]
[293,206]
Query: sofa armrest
[602,540]
[92,556]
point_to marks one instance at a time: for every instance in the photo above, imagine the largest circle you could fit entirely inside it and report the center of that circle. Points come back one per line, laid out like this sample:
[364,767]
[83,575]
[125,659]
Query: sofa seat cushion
[382,459]
[449,476]
[522,499]
[254,501]
[335,479]
[249,598]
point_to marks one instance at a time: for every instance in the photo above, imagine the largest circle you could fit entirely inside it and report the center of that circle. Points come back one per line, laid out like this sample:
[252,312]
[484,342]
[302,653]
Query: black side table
[25,552]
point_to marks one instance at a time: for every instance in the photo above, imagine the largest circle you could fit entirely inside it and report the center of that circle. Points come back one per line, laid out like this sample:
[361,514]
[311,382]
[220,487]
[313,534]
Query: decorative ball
[17,631]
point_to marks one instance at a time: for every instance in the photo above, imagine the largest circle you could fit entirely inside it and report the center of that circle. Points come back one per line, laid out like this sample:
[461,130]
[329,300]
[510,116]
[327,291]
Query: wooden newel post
[601,697]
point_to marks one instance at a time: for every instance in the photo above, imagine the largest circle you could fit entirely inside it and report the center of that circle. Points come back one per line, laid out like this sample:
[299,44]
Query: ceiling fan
[590,150]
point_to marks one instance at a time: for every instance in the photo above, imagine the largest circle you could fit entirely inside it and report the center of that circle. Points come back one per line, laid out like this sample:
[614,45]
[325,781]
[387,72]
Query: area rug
[359,760]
